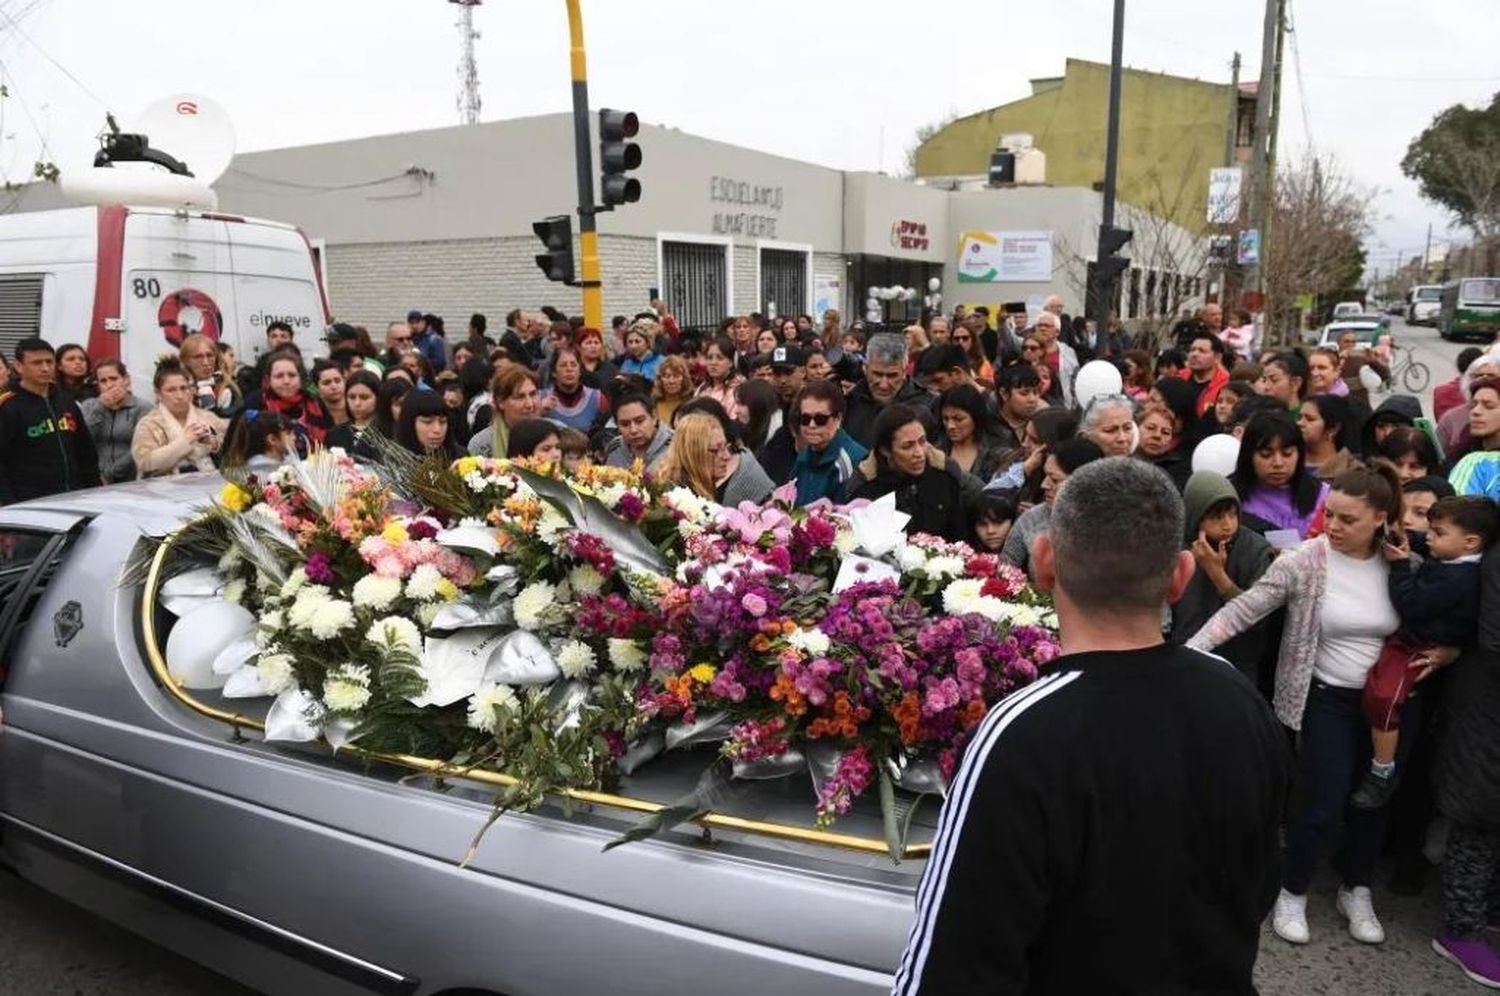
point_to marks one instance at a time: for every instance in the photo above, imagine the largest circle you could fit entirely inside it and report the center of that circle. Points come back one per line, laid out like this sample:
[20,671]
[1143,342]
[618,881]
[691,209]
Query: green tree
[1456,162]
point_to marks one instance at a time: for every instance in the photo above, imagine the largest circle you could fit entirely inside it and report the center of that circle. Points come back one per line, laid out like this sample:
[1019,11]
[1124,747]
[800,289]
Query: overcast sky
[838,82]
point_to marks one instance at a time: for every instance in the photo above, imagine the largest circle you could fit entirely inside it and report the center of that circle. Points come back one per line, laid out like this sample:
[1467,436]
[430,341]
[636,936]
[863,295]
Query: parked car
[300,871]
[1347,309]
[1423,303]
[1368,329]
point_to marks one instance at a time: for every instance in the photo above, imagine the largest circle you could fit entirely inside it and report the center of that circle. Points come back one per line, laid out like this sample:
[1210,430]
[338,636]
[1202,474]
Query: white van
[1423,303]
[131,282]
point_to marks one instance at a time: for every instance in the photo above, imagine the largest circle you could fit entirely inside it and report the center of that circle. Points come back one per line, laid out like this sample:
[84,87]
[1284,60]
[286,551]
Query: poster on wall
[828,292]
[1004,257]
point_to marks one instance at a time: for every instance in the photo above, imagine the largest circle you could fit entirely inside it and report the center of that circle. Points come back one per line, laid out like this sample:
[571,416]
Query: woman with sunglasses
[979,364]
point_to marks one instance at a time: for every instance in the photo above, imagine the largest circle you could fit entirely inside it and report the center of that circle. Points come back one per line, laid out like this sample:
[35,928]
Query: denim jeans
[1333,756]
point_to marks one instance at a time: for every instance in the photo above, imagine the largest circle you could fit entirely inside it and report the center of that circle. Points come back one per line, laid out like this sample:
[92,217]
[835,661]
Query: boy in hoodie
[1438,603]
[1230,559]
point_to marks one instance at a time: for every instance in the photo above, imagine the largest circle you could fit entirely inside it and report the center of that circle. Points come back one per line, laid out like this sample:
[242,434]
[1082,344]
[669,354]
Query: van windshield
[1482,291]
[1429,293]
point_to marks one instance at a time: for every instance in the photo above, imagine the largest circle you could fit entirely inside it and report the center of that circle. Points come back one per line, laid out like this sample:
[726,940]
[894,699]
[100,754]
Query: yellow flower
[395,533]
[446,590]
[703,673]
[234,497]
[466,465]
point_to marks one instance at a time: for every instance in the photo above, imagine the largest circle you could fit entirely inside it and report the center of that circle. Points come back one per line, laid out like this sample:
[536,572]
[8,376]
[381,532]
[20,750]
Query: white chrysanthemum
[959,597]
[552,524]
[813,642]
[347,688]
[230,558]
[532,602]
[1023,615]
[844,542]
[234,591]
[275,671]
[422,586]
[395,633]
[911,557]
[375,592]
[486,704]
[309,598]
[946,566]
[626,655]
[611,494]
[586,580]
[331,618]
[294,582]
[575,659]
[427,612]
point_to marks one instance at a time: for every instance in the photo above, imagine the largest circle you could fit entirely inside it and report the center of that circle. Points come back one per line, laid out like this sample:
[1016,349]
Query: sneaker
[1356,907]
[1374,791]
[1289,918]
[1474,958]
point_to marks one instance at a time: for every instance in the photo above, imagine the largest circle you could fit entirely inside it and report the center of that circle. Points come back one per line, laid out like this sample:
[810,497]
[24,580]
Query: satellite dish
[192,129]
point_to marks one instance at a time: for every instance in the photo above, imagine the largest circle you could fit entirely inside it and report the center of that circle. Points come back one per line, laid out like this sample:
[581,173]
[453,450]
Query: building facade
[441,220]
[1173,130]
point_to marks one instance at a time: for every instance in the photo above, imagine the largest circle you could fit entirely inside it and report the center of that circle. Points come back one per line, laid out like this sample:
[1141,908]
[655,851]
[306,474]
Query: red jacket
[1447,396]
[1209,394]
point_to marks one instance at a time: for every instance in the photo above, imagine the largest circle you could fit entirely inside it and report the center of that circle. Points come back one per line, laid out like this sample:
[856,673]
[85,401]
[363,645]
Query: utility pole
[468,68]
[1232,131]
[1107,264]
[588,236]
[1267,121]
[1426,252]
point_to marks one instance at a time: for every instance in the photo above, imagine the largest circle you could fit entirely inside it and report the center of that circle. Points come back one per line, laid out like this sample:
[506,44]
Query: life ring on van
[169,315]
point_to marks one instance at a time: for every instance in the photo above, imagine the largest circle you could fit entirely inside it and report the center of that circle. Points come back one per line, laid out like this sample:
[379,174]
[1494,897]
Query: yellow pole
[588,237]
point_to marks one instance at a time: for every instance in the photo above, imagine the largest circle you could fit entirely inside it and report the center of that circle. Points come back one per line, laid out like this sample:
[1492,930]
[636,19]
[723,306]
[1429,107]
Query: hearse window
[28,560]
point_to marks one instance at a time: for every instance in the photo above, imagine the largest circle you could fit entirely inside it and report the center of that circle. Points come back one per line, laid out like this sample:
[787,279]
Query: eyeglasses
[1031,347]
[818,419]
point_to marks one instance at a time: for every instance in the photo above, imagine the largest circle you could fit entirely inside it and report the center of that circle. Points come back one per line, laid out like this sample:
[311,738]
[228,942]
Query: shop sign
[909,235]
[763,204]
[999,257]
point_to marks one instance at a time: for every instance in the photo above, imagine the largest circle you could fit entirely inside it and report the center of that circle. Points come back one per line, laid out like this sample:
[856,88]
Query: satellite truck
[147,259]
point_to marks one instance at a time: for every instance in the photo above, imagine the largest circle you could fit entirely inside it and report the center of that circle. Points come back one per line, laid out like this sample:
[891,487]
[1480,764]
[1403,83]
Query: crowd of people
[1338,541]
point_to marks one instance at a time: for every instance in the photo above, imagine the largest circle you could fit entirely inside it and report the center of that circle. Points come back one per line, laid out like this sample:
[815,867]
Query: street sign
[1224,185]
[1248,253]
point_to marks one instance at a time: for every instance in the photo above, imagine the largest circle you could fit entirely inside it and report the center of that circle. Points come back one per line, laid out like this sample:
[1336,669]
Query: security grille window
[20,309]
[783,282]
[696,278]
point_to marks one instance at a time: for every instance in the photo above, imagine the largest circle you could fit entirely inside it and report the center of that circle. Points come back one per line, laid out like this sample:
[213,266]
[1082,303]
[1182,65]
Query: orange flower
[972,714]
[844,722]
[785,691]
[908,712]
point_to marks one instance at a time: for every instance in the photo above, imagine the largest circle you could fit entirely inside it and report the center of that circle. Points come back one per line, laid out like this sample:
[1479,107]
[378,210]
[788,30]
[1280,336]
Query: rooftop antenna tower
[468,69]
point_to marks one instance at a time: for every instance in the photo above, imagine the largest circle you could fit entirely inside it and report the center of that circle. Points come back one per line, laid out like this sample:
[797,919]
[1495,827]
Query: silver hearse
[298,870]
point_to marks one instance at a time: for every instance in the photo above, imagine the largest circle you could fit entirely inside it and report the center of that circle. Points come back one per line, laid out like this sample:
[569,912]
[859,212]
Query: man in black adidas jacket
[1113,826]
[45,447]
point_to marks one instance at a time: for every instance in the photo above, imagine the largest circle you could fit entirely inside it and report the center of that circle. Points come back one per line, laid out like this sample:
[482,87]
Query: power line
[1380,77]
[1291,30]
[15,26]
[9,82]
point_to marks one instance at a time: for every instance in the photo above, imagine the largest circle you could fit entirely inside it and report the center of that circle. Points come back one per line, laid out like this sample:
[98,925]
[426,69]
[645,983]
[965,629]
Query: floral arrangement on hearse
[564,629]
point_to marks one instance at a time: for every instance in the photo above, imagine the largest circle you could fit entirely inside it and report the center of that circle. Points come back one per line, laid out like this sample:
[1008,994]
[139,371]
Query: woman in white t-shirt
[1339,612]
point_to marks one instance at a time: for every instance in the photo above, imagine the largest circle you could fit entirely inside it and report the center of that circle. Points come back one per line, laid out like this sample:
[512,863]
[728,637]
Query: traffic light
[1108,267]
[618,156]
[556,234]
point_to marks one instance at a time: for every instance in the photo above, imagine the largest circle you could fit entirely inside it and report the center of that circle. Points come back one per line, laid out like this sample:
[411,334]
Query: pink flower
[754,604]
[389,566]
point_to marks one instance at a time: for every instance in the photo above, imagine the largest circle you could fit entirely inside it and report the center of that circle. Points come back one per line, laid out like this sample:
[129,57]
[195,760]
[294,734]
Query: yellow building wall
[1172,132]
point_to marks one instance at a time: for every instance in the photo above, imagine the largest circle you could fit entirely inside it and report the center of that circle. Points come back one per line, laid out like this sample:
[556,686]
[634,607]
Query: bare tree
[920,136]
[1321,218]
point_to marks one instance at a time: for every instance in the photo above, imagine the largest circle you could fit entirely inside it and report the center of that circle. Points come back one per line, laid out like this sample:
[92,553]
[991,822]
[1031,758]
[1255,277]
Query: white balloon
[198,639]
[872,292]
[873,315]
[1217,453]
[934,285]
[872,303]
[1096,378]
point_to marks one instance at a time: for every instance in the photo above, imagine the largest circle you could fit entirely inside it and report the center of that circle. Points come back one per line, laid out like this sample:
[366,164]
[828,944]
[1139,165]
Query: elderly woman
[175,437]
[902,461]
[1109,420]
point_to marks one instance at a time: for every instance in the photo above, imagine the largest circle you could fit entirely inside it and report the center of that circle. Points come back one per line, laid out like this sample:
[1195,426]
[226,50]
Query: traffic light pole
[1102,287]
[588,236]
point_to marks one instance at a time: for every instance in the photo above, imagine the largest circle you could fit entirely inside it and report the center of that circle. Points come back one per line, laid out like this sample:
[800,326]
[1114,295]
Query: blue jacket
[822,475]
[1438,601]
[431,346]
[645,366]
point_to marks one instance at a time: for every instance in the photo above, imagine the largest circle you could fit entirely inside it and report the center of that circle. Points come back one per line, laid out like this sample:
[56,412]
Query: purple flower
[319,570]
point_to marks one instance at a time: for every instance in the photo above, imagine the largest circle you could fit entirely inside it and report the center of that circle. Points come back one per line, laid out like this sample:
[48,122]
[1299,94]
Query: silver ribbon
[185,592]
[588,513]
[822,761]
[643,750]
[474,610]
[522,659]
[705,729]
[779,766]
[917,773]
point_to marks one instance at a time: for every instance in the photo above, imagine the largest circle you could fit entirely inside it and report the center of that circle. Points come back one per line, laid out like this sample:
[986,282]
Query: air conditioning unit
[1031,166]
